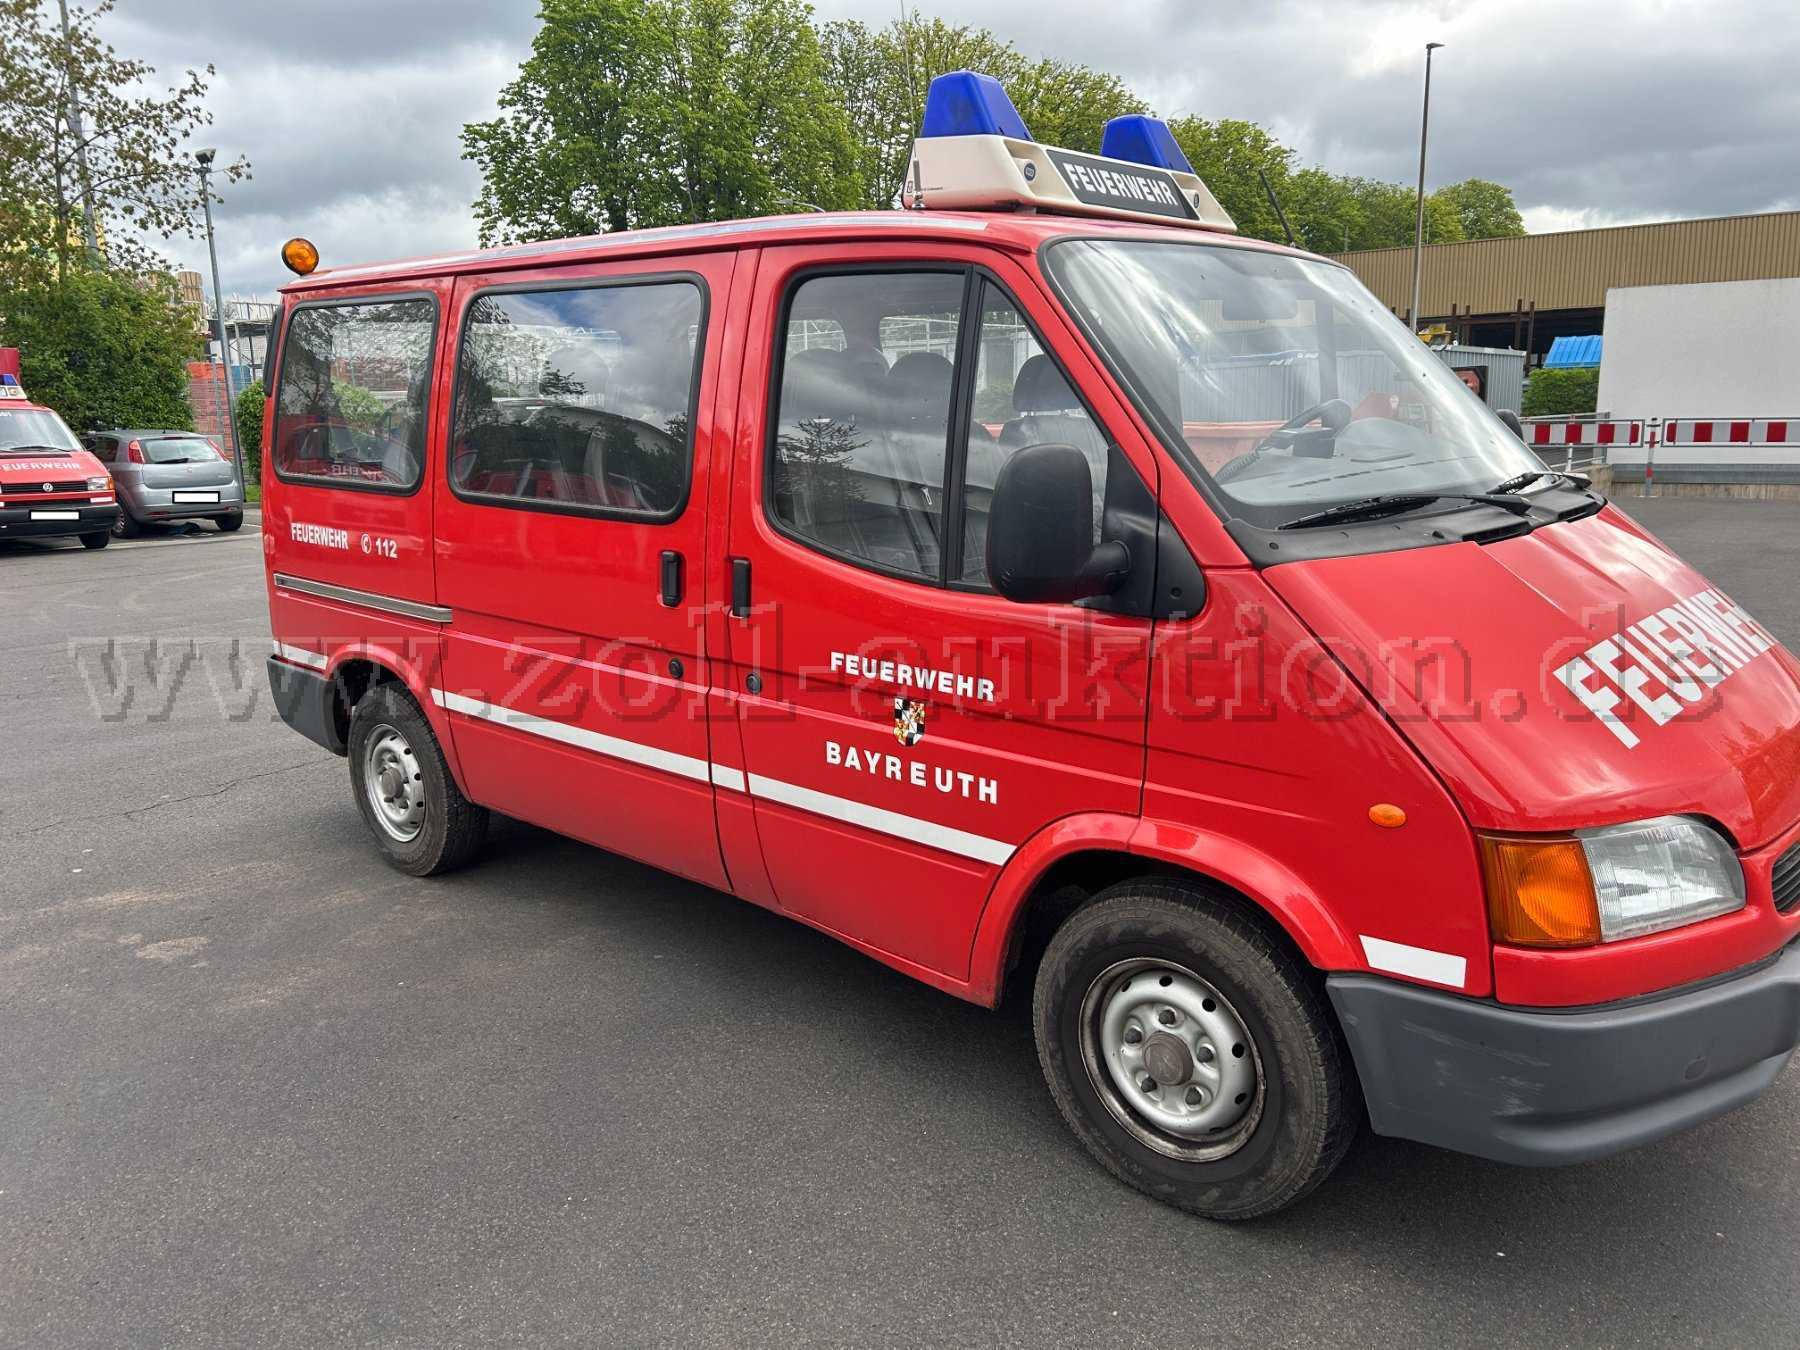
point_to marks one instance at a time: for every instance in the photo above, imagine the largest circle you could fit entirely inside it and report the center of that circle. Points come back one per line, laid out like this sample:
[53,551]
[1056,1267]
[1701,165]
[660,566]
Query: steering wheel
[1333,415]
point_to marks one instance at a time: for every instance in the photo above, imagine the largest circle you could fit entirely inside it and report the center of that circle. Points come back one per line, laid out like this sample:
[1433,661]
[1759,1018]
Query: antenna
[1275,202]
[912,100]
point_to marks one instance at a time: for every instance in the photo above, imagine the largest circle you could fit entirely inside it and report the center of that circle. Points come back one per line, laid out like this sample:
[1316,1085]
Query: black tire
[230,521]
[100,540]
[1307,1107]
[127,526]
[453,828]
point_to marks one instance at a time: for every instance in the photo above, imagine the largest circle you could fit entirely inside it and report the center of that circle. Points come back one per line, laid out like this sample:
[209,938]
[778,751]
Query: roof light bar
[974,152]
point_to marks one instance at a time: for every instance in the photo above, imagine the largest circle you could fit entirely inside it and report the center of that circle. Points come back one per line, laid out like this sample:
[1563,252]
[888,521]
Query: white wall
[1716,349]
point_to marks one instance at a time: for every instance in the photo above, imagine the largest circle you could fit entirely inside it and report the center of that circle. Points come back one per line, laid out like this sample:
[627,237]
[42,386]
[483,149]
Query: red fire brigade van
[49,485]
[1042,588]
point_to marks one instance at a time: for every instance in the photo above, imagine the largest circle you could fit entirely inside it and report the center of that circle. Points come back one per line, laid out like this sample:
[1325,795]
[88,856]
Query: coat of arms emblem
[909,721]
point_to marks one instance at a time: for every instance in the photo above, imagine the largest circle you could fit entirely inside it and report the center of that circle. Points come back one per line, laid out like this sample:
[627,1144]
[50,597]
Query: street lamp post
[1419,224]
[204,159]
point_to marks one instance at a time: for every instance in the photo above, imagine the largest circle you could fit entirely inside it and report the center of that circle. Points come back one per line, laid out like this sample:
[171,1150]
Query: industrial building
[1525,292]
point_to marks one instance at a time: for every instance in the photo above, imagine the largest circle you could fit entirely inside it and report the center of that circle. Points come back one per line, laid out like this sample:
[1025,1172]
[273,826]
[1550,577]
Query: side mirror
[1040,538]
[1511,418]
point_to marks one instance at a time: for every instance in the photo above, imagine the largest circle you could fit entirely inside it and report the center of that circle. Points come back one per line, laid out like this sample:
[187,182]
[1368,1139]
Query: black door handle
[740,587]
[671,578]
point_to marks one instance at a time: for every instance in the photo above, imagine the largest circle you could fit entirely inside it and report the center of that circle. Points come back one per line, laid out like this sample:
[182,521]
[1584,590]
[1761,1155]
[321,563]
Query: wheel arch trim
[1263,880]
[408,673]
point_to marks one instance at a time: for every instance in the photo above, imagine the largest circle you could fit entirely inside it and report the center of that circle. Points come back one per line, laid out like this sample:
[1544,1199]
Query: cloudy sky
[1593,111]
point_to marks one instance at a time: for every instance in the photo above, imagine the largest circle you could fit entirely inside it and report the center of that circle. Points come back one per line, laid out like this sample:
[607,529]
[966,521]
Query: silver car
[166,477]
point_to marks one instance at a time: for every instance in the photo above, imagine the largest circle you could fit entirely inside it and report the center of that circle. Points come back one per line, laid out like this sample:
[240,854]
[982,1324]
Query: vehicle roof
[141,432]
[1020,231]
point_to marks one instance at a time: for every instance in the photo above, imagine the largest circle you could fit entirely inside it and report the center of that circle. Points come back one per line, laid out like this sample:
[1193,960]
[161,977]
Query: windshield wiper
[36,450]
[1526,479]
[1393,503]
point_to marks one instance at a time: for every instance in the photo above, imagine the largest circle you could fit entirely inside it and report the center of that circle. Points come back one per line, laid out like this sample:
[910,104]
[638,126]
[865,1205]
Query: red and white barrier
[1729,431]
[1556,432]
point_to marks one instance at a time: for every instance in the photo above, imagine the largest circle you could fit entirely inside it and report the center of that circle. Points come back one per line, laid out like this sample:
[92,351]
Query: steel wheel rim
[1143,1017]
[394,784]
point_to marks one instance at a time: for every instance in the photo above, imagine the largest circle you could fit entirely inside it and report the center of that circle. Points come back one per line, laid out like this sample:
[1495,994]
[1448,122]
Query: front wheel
[1193,1055]
[96,540]
[421,822]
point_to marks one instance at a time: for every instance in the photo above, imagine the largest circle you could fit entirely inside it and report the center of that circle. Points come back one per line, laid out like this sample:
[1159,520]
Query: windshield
[34,428]
[1280,381]
[179,450]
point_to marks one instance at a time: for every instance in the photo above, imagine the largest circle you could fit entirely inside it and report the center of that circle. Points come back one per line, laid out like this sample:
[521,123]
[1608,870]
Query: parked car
[169,476]
[49,485]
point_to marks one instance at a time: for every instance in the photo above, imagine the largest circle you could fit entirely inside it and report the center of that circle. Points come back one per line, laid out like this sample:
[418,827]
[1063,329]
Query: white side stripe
[300,656]
[976,846]
[869,817]
[580,737]
[1419,963]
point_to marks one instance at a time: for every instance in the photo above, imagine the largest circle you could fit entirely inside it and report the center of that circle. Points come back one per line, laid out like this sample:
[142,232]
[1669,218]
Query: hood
[1578,675]
[32,469]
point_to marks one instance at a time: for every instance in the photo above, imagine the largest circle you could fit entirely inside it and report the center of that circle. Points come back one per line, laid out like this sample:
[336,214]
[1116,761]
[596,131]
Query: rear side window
[579,399]
[354,388]
[863,416]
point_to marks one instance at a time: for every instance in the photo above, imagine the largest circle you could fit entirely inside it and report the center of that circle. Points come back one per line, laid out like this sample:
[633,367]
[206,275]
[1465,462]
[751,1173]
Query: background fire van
[1045,588]
[49,485]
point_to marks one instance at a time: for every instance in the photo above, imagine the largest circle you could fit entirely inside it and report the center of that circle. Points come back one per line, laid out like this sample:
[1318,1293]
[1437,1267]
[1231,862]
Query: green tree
[103,348]
[127,167]
[1485,210]
[635,113]
[1332,213]
[874,99]
[1227,155]
[881,77]
[1067,104]
[247,412]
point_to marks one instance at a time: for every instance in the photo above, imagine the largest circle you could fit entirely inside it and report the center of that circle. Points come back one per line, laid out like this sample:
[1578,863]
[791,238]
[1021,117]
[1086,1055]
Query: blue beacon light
[968,103]
[1143,140]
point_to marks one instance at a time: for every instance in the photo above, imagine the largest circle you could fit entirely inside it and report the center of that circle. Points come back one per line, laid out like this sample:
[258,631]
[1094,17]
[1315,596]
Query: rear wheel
[230,521]
[421,822]
[96,540]
[1192,1054]
[126,525]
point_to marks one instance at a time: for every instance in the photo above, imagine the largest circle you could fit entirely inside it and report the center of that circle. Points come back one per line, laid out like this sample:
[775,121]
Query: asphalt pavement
[256,1089]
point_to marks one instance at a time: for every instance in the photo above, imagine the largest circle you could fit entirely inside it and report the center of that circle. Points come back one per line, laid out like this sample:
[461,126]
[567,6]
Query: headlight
[1605,884]
[100,484]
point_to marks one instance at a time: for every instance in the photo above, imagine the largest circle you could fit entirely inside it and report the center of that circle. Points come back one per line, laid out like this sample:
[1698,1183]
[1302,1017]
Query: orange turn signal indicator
[1387,815]
[1539,891]
[300,256]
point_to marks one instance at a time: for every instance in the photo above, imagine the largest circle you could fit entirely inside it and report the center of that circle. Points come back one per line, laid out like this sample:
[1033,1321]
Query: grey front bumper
[1543,1087]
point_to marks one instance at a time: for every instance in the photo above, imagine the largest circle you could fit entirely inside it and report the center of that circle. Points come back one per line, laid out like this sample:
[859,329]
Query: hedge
[1549,393]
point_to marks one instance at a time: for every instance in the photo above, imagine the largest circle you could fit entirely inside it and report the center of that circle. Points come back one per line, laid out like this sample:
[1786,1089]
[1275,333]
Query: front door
[904,728]
[570,532]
